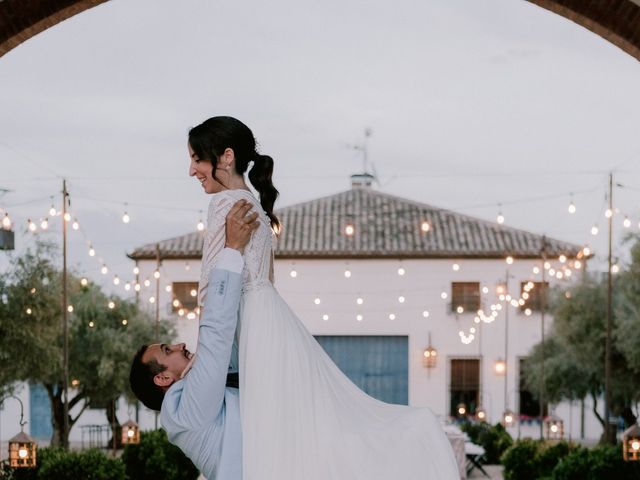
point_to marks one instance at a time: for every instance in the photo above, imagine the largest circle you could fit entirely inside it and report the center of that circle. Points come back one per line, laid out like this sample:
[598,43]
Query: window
[185,295]
[529,404]
[465,296]
[534,302]
[465,385]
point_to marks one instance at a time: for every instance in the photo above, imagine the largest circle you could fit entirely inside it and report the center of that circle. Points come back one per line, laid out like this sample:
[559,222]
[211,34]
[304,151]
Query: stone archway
[617,21]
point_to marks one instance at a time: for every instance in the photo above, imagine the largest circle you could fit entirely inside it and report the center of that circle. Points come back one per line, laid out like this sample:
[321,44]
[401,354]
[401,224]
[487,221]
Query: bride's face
[203,171]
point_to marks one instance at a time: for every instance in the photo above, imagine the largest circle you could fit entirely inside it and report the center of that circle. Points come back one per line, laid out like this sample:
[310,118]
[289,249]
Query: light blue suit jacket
[200,414]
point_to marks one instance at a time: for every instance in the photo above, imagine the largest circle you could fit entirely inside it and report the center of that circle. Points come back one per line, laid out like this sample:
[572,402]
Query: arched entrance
[617,21]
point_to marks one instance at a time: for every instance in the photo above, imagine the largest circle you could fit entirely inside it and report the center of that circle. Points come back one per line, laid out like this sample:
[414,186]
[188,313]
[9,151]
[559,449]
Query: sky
[479,106]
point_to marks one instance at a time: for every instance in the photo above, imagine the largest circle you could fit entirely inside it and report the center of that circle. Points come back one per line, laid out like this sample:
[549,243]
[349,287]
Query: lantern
[430,355]
[461,409]
[130,432]
[631,443]
[508,418]
[553,427]
[500,367]
[22,451]
[481,414]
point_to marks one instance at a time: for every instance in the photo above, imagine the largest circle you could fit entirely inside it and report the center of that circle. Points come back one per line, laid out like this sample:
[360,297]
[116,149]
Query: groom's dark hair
[141,380]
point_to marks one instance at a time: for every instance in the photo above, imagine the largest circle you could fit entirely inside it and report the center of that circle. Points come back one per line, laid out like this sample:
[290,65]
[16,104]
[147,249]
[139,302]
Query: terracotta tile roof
[384,226]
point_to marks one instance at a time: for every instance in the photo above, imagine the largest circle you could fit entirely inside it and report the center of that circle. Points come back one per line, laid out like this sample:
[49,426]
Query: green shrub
[494,439]
[549,455]
[86,465]
[43,455]
[602,462]
[155,458]
[521,460]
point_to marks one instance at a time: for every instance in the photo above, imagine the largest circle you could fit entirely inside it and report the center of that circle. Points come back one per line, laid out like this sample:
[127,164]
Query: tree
[101,342]
[574,351]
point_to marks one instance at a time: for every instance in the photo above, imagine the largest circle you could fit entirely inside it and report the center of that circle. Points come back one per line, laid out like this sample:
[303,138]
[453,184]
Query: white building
[378,279]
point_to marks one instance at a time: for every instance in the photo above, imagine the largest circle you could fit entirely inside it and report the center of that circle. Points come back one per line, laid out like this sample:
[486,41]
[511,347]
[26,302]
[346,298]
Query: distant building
[380,279]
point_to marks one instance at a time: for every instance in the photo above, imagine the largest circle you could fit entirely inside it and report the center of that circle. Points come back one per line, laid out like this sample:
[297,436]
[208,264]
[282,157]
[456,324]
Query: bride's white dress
[302,418]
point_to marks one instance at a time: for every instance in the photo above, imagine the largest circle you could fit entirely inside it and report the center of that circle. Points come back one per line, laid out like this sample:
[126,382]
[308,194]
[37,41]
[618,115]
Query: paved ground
[494,470]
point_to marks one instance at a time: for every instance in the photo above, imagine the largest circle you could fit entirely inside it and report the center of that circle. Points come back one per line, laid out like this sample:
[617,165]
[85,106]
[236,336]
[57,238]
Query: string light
[401,271]
[594,230]
[84,282]
[156,274]
[293,273]
[586,251]
[75,225]
[193,292]
[317,301]
[500,218]
[572,207]
[125,218]
[401,299]
[615,269]
[425,313]
[70,308]
[485,290]
[359,317]
[626,223]
[111,305]
[92,252]
[347,273]
[608,213]
[562,258]
[137,287]
[31,226]
[460,309]
[425,227]
[527,312]
[359,300]
[29,311]
[191,316]
[349,230]
[577,264]
[455,267]
[509,260]
[392,316]
[125,321]
[91,324]
[443,295]
[168,289]
[67,217]
[200,225]
[116,280]
[325,317]
[147,282]
[52,211]
[152,299]
[127,286]
[104,269]
[136,270]
[181,312]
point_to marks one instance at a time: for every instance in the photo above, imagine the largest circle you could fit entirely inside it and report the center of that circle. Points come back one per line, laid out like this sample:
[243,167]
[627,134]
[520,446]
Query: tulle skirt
[303,419]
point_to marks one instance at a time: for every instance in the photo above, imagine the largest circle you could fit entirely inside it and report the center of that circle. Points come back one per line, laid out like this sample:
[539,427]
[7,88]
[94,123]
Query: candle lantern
[631,443]
[461,409]
[553,427]
[508,418]
[22,451]
[481,414]
[130,432]
[430,355]
[500,367]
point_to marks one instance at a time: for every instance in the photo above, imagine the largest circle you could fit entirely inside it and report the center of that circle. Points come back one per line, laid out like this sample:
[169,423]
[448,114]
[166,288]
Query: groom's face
[174,357]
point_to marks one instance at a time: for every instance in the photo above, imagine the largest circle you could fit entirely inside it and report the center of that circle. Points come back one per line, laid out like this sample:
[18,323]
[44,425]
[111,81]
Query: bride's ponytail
[260,178]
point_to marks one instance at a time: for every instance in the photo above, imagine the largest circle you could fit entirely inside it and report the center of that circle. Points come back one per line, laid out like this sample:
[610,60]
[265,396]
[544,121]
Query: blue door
[378,365]
[40,408]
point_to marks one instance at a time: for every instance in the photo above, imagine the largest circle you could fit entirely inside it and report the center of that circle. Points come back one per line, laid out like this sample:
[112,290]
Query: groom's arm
[204,385]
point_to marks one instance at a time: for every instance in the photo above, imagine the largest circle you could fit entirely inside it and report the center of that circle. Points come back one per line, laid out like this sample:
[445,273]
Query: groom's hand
[239,225]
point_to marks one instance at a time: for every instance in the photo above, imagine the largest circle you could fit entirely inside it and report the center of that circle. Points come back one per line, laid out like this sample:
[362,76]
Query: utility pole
[157,310]
[543,308]
[607,355]
[65,322]
[507,304]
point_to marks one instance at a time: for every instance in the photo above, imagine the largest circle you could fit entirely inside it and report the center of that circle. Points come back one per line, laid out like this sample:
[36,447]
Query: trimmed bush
[550,454]
[155,458]
[86,465]
[43,456]
[521,460]
[602,462]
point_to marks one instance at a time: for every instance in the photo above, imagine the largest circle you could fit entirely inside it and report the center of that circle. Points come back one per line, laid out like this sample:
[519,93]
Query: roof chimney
[362,180]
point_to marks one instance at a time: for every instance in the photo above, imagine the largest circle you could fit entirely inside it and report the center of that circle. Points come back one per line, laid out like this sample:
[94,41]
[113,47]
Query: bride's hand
[239,225]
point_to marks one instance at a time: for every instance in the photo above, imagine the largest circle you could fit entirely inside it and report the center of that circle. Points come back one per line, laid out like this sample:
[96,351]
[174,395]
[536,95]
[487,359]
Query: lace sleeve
[214,239]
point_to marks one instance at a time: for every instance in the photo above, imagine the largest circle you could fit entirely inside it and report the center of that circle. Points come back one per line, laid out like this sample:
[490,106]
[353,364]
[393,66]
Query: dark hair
[141,380]
[212,137]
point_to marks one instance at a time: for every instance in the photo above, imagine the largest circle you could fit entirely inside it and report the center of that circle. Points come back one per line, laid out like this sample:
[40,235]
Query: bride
[302,418]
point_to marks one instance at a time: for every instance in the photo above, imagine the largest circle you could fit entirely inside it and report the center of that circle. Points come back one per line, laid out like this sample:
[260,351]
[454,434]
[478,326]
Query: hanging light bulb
[70,308]
[92,252]
[347,273]
[455,267]
[536,270]
[200,225]
[359,317]
[594,230]
[147,282]
[52,211]
[425,227]
[137,287]
[586,251]
[608,213]
[111,305]
[116,280]
[443,295]
[104,269]
[325,317]
[626,223]
[136,270]
[615,269]
[75,225]
[572,207]
[562,258]
[349,230]
[577,264]
[293,273]
[125,217]
[187,266]
[156,274]
[67,217]
[31,226]
[317,301]
[500,218]
[6,222]
[359,300]
[127,286]
[509,260]
[168,288]
[84,282]
[401,271]
[401,299]
[425,313]
[392,316]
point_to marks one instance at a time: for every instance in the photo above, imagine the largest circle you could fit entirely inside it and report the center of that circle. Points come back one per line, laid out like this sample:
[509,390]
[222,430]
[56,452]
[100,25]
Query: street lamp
[130,432]
[22,448]
[554,427]
[631,443]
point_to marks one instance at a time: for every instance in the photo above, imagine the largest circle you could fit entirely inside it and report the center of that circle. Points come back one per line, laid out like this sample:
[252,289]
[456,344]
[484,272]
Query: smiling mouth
[187,354]
[202,180]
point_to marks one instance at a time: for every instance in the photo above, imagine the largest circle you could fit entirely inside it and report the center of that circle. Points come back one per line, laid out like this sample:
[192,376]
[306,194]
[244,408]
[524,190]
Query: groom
[198,404]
